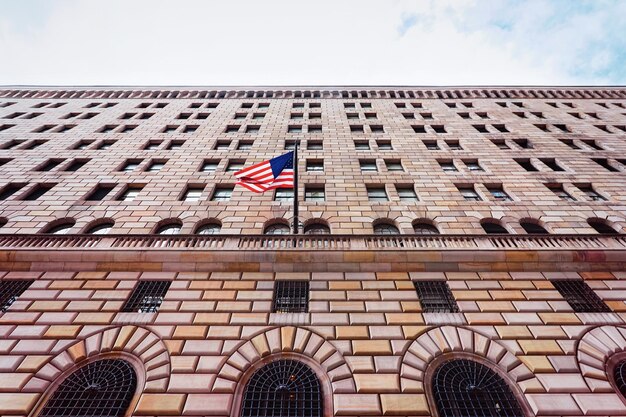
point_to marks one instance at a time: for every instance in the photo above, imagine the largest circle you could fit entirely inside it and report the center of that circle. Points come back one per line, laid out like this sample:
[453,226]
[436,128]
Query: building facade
[462,252]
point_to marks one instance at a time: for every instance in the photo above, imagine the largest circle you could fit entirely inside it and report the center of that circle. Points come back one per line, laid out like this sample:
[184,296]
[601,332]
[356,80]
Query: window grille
[385,229]
[463,387]
[435,297]
[580,297]
[100,389]
[620,377]
[10,290]
[147,297]
[277,229]
[283,388]
[291,297]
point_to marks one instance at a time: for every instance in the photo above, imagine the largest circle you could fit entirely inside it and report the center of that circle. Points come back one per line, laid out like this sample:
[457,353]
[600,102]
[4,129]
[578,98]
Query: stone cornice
[356,92]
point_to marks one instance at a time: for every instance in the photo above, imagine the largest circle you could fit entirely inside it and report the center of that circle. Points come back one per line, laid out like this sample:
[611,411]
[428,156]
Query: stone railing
[313,242]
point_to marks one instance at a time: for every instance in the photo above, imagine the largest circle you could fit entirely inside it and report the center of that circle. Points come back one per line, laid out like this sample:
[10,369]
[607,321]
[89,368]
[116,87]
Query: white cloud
[279,42]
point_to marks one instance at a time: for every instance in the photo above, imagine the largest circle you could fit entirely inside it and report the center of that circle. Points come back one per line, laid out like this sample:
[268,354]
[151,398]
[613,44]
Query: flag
[267,175]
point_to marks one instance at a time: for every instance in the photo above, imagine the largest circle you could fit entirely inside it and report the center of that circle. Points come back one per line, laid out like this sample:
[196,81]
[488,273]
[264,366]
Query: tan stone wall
[365,332]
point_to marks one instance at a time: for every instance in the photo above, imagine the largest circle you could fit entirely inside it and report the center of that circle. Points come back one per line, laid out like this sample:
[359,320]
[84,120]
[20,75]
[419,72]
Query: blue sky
[326,42]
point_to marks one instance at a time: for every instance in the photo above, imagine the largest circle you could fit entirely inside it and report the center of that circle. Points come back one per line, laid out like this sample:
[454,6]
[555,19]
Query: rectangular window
[526,164]
[394,165]
[356,128]
[481,128]
[361,145]
[234,166]
[222,194]
[10,189]
[193,194]
[592,144]
[591,194]
[448,166]
[83,144]
[291,297]
[290,145]
[76,164]
[314,145]
[431,145]
[499,194]
[283,194]
[222,145]
[314,165]
[155,166]
[10,290]
[315,129]
[419,128]
[209,166]
[469,193]
[552,164]
[377,128]
[232,128]
[377,194]
[130,193]
[439,129]
[253,129]
[473,166]
[558,190]
[604,163]
[406,193]
[570,143]
[131,165]
[454,145]
[50,165]
[100,192]
[384,145]
[523,143]
[37,192]
[501,128]
[435,297]
[579,296]
[294,129]
[314,193]
[146,297]
[106,144]
[190,128]
[368,166]
[152,145]
[500,144]
[244,145]
[175,145]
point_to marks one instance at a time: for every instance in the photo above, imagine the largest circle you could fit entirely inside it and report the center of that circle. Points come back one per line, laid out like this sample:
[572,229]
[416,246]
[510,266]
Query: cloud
[280,42]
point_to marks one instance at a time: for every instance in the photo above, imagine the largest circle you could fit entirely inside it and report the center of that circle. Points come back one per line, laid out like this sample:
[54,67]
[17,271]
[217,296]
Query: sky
[321,42]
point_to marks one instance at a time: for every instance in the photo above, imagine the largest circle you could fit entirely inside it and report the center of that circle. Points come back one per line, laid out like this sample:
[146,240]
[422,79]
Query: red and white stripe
[259,178]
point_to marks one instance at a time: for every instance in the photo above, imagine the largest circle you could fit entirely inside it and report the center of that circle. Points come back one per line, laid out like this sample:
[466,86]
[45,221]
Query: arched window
[61,228]
[423,228]
[169,228]
[209,229]
[620,377]
[276,229]
[3,221]
[316,228]
[103,388]
[601,226]
[385,228]
[532,227]
[493,227]
[101,228]
[466,388]
[283,388]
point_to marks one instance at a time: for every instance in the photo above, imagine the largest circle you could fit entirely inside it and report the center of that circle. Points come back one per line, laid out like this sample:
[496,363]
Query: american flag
[267,175]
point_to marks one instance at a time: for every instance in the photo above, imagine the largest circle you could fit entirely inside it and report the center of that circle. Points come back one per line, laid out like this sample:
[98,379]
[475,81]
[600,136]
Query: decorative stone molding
[460,340]
[143,348]
[288,339]
[595,350]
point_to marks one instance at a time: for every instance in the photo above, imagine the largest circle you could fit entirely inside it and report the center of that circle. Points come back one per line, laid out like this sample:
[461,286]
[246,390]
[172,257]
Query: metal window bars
[147,297]
[580,297]
[435,297]
[291,297]
[283,388]
[10,290]
[620,377]
[463,387]
[100,389]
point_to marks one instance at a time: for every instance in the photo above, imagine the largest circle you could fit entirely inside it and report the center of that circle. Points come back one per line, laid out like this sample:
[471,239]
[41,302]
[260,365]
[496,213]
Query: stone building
[462,252]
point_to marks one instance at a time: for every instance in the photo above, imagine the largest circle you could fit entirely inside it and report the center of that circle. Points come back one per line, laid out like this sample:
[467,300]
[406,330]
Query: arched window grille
[493,228]
[531,227]
[103,388]
[169,229]
[316,229]
[277,229]
[421,228]
[283,388]
[620,377]
[385,229]
[601,226]
[467,388]
[209,229]
[60,229]
[101,229]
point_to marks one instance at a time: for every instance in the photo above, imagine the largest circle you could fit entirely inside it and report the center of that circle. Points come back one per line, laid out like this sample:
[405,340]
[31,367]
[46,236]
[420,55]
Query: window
[155,166]
[316,228]
[222,145]
[146,297]
[175,145]
[105,144]
[101,228]
[315,129]
[314,165]
[532,227]
[277,229]
[500,144]
[601,226]
[193,194]
[526,164]
[130,193]
[368,166]
[291,297]
[454,145]
[209,166]
[579,296]
[190,128]
[377,194]
[232,128]
[283,194]
[448,166]
[314,145]
[61,228]
[406,193]
[253,129]
[592,144]
[38,191]
[552,164]
[591,194]
[100,192]
[290,145]
[384,145]
[462,387]
[234,166]
[423,228]
[209,229]
[499,194]
[169,229]
[523,143]
[10,290]
[103,388]
[619,376]
[431,145]
[481,128]
[435,297]
[570,143]
[244,145]
[473,166]
[394,165]
[419,128]
[469,193]
[314,193]
[356,128]
[76,164]
[222,194]
[493,227]
[10,189]
[361,145]
[439,129]
[377,128]
[501,128]
[384,228]
[281,388]
[294,129]
[560,192]
[604,163]
[50,165]
[152,145]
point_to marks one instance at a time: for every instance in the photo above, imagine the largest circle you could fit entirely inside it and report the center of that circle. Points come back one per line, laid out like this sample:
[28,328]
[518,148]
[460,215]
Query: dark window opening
[291,297]
[10,290]
[147,297]
[580,296]
[435,297]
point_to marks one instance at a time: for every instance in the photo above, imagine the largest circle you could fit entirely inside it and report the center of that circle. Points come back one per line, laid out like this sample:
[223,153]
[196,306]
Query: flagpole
[295,187]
